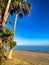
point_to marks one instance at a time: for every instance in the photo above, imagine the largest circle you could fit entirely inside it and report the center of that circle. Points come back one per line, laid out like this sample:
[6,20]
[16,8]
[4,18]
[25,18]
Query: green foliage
[5,44]
[3,4]
[6,32]
[19,6]
[12,44]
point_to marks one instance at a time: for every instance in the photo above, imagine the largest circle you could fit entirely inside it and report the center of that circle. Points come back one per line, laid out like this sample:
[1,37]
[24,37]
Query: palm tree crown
[21,7]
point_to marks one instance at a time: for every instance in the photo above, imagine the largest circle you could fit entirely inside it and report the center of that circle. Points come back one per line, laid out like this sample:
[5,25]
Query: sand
[15,61]
[33,58]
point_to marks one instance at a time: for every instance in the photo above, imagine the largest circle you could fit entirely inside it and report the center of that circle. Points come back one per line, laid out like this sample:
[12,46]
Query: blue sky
[33,29]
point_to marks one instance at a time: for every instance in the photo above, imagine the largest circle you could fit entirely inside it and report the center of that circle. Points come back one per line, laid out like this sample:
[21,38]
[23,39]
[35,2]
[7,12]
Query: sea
[33,48]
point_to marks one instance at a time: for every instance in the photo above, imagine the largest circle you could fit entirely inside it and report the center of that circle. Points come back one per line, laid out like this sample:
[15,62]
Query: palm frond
[12,44]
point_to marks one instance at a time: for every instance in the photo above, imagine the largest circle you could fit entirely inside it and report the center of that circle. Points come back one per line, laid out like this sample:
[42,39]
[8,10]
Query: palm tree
[19,7]
[16,8]
[3,17]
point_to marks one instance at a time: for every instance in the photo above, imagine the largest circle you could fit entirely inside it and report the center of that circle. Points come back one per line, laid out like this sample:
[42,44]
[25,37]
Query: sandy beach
[34,58]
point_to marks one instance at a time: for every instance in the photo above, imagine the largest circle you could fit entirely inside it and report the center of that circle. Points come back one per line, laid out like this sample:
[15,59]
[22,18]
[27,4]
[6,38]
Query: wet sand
[34,58]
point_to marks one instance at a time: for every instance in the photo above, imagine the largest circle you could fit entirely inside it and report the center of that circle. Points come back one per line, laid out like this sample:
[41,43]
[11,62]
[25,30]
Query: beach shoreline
[31,51]
[34,58]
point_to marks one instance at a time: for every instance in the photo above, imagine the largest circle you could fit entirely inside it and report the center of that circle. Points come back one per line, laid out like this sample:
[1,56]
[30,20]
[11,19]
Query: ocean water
[33,48]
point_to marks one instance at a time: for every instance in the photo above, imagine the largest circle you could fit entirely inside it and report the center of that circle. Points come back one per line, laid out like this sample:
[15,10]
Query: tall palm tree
[20,7]
[3,17]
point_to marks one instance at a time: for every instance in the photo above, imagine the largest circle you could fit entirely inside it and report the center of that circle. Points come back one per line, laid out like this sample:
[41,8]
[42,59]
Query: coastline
[31,51]
[34,58]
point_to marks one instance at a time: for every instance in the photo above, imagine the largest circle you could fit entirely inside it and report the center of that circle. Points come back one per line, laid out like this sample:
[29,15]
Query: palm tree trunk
[10,51]
[10,54]
[14,28]
[6,13]
[15,21]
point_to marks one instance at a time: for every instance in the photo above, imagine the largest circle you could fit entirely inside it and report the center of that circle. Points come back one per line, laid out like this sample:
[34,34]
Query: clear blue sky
[33,29]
